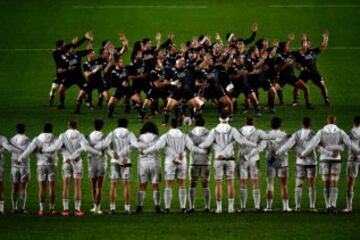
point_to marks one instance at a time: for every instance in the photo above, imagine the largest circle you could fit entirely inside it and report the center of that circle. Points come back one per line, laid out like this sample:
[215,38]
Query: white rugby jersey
[71,143]
[300,140]
[5,145]
[19,141]
[94,138]
[119,144]
[43,140]
[274,145]
[175,143]
[223,137]
[198,135]
[147,140]
[330,138]
[354,135]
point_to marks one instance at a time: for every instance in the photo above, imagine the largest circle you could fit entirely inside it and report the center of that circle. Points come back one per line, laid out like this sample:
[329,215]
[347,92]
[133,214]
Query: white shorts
[149,172]
[280,172]
[46,173]
[1,174]
[20,174]
[248,168]
[352,169]
[196,171]
[173,170]
[224,167]
[118,171]
[72,169]
[96,169]
[330,168]
[303,171]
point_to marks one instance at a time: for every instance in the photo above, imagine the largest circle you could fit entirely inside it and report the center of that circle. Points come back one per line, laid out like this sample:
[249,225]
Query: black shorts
[123,91]
[58,79]
[98,85]
[287,79]
[141,85]
[241,86]
[75,80]
[182,94]
[155,93]
[214,92]
[314,76]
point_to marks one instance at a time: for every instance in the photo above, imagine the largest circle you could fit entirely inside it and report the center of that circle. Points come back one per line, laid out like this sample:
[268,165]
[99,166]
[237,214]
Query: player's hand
[291,36]
[254,27]
[303,37]
[264,55]
[74,40]
[158,36]
[89,36]
[125,161]
[326,34]
[67,160]
[116,156]
[170,36]
[217,37]
[289,61]
[335,154]
[276,43]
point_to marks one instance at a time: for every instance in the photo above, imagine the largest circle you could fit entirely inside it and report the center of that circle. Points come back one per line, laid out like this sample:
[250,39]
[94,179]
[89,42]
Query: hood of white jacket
[96,136]
[223,128]
[304,133]
[121,132]
[247,131]
[356,132]
[147,137]
[174,132]
[20,139]
[331,128]
[199,131]
[45,137]
[72,133]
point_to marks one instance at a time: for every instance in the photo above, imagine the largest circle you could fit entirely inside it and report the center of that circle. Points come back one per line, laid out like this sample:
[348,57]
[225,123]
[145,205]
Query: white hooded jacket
[354,135]
[5,145]
[198,135]
[19,141]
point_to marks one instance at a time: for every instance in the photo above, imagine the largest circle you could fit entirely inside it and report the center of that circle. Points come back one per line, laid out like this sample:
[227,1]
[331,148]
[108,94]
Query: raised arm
[254,29]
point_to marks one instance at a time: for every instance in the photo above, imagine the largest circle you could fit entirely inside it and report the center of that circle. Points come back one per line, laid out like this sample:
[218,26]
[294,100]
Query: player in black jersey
[306,58]
[60,60]
[119,77]
[231,37]
[285,67]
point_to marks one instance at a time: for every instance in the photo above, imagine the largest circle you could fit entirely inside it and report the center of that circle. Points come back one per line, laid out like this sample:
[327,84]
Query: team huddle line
[184,153]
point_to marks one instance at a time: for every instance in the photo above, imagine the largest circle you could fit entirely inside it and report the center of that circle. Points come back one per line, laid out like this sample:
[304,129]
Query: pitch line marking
[140,7]
[316,6]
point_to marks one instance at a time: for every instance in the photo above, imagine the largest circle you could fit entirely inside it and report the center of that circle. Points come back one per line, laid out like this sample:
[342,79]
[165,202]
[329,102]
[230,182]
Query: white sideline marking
[140,7]
[49,49]
[316,6]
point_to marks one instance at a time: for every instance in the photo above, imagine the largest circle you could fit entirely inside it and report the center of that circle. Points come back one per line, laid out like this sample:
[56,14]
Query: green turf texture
[26,76]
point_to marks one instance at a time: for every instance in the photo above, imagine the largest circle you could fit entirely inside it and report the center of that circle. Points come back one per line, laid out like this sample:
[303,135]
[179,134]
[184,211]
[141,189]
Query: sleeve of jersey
[86,146]
[250,39]
[104,143]
[209,140]
[241,140]
[32,146]
[9,147]
[351,145]
[191,147]
[288,144]
[160,144]
[313,144]
[55,146]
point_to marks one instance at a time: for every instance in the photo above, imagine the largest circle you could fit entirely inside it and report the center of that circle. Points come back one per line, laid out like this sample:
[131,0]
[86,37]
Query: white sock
[182,197]
[140,198]
[54,87]
[298,193]
[77,205]
[112,206]
[256,196]
[42,206]
[327,197]
[65,204]
[312,197]
[219,205]
[97,207]
[127,207]
[285,203]
[52,206]
[167,197]
[333,196]
[269,203]
[2,206]
[156,197]
[349,198]
[230,204]
[192,198]
[94,206]
[243,198]
[23,196]
[14,199]
[206,192]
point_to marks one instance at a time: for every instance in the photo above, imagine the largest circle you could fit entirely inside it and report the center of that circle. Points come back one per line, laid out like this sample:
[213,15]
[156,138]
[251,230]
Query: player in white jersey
[199,165]
[4,145]
[119,144]
[175,143]
[248,163]
[330,140]
[305,167]
[71,143]
[223,137]
[46,167]
[149,166]
[353,164]
[277,166]
[20,170]
[96,166]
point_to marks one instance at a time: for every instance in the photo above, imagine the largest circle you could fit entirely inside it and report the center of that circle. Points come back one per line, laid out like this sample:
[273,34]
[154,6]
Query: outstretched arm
[31,147]
[254,29]
[86,147]
[9,147]
[241,140]
[56,146]
[313,144]
[160,144]
[191,147]
[290,143]
[104,143]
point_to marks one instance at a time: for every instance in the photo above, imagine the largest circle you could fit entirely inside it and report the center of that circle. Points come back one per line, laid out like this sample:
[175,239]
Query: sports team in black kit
[185,77]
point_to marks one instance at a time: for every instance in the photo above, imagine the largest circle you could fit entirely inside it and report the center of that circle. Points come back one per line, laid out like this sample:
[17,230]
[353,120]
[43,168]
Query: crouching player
[305,167]
[71,143]
[353,164]
[149,166]
[277,166]
[199,165]
[46,167]
[330,140]
[175,142]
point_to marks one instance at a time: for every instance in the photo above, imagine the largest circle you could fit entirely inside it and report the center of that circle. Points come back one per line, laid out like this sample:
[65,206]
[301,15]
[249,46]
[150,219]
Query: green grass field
[29,30]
